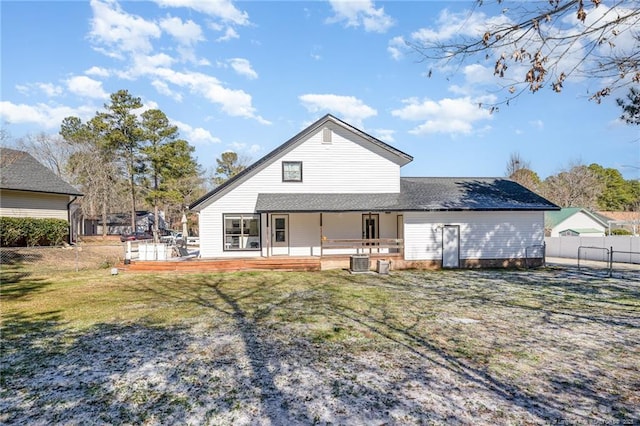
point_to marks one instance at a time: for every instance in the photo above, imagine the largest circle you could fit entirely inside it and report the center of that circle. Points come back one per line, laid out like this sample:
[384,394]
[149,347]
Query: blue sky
[248,75]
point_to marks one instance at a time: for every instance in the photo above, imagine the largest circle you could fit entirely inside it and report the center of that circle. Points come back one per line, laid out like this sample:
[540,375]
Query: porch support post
[321,236]
[370,233]
[268,234]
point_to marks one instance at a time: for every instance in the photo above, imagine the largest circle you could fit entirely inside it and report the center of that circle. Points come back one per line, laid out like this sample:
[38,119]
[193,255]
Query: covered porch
[332,234]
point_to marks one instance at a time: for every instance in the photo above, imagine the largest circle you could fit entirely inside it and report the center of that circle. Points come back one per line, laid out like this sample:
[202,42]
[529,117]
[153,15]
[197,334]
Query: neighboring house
[575,222]
[120,223]
[334,190]
[29,189]
[623,220]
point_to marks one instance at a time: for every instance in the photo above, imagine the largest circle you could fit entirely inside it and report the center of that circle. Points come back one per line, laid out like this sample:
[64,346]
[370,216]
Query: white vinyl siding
[483,235]
[304,234]
[344,166]
[33,204]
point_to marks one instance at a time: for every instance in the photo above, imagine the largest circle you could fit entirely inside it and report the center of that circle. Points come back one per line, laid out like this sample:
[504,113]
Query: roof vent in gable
[326,135]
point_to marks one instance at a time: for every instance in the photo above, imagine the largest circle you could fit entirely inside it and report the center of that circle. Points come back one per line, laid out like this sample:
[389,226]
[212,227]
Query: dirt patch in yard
[67,258]
[444,347]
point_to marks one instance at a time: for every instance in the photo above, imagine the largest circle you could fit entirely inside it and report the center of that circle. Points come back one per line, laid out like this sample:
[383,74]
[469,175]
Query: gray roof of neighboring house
[405,158]
[417,194]
[21,172]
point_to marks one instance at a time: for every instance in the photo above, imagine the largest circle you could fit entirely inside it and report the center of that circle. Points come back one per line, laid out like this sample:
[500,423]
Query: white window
[241,231]
[292,171]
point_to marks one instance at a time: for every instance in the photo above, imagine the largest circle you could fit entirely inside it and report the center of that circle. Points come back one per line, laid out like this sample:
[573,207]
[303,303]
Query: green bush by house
[26,231]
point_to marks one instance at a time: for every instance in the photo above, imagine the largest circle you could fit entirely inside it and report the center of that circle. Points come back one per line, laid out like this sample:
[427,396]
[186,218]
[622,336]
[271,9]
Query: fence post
[544,254]
[610,261]
[127,253]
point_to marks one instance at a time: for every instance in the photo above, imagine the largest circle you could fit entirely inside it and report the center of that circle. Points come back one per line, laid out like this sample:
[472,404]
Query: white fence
[625,248]
[147,250]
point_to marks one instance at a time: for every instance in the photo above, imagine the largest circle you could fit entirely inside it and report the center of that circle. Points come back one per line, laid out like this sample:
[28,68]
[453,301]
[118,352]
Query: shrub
[620,231]
[21,231]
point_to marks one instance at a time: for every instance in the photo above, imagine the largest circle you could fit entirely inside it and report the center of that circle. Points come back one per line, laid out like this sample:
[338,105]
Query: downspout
[75,197]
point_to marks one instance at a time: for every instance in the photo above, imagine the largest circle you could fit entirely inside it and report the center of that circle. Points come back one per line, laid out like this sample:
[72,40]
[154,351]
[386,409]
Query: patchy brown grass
[45,260]
[465,347]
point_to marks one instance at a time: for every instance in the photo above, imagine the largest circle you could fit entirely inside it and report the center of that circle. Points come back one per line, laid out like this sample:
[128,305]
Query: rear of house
[333,190]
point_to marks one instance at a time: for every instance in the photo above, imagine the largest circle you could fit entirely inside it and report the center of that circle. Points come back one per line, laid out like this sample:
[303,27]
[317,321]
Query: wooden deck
[228,265]
[275,263]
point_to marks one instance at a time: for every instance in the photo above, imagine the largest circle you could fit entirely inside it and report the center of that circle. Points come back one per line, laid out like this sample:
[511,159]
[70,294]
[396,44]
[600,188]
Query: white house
[333,190]
[575,222]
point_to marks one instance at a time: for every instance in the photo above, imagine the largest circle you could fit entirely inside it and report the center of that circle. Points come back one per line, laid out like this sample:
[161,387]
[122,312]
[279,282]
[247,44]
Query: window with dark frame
[241,231]
[292,171]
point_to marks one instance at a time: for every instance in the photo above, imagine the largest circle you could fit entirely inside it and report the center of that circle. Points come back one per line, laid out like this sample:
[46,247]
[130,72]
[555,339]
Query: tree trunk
[133,204]
[104,220]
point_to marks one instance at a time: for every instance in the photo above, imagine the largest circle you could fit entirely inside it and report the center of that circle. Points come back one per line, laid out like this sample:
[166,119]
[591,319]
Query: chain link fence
[67,258]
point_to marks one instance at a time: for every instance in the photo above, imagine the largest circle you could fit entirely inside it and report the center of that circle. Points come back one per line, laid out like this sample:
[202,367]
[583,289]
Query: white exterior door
[451,246]
[279,234]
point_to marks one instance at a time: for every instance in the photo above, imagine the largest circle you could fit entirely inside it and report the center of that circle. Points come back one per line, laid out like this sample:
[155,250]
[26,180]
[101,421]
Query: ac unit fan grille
[359,263]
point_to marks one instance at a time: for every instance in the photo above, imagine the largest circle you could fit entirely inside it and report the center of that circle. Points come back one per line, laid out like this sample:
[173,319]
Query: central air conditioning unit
[359,263]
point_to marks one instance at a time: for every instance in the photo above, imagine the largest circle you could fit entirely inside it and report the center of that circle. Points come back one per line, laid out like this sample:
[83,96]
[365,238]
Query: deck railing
[362,246]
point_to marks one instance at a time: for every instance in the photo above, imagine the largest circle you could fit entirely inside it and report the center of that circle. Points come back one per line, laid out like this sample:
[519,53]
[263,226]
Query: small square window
[292,171]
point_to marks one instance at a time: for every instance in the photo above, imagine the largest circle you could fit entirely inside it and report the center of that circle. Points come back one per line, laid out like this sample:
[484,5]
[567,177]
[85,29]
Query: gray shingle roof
[417,194]
[21,172]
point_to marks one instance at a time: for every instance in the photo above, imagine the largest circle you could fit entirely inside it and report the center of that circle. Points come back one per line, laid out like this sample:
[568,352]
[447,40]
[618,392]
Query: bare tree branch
[536,44]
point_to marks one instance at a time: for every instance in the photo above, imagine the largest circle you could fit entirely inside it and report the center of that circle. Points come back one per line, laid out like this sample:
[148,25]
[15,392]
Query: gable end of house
[328,122]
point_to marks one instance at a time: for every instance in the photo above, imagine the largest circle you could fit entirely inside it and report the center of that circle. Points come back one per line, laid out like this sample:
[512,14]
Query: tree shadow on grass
[253,358]
[466,291]
[16,280]
[241,308]
[119,374]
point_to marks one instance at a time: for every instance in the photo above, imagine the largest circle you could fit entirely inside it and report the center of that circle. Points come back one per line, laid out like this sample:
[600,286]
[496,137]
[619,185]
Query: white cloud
[84,86]
[538,124]
[448,116]
[475,75]
[129,38]
[243,147]
[42,115]
[243,67]
[229,34]
[186,33]
[452,25]
[233,102]
[396,47]
[49,89]
[363,13]
[347,108]
[222,9]
[385,135]
[196,136]
[97,72]
[119,30]
[163,88]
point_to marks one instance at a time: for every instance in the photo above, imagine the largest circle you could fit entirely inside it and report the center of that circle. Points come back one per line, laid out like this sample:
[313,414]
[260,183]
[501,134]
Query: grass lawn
[461,347]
